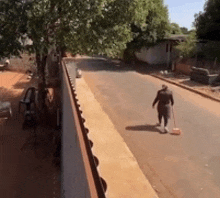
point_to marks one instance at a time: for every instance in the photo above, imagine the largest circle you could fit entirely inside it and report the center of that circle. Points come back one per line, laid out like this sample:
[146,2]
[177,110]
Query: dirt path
[24,172]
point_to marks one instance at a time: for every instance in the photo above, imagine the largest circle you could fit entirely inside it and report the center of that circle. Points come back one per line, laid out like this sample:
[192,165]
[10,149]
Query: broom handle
[174,118]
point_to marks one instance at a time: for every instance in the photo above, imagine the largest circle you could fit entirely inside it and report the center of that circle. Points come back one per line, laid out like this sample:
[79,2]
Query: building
[161,53]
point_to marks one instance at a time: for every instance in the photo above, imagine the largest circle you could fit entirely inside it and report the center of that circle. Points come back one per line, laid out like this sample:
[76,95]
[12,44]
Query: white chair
[5,110]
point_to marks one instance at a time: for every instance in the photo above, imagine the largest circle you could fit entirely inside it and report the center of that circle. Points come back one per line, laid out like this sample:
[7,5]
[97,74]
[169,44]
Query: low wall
[22,64]
[183,68]
[80,177]
[74,175]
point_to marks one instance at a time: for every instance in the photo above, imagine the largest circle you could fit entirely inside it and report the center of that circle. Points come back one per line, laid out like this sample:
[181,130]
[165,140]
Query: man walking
[164,98]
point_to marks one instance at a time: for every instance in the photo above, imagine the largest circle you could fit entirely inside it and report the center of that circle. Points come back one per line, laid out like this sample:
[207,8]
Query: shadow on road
[42,143]
[95,64]
[23,84]
[146,127]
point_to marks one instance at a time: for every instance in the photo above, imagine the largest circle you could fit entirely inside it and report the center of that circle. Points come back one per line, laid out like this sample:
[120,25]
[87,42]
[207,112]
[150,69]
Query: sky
[182,11]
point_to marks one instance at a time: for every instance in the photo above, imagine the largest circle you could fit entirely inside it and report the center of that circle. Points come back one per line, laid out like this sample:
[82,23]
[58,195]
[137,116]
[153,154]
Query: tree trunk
[41,65]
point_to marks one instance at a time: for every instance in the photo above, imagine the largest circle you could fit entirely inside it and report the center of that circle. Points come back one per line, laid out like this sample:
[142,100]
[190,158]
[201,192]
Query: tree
[184,30]
[94,26]
[154,29]
[175,28]
[12,31]
[108,31]
[187,48]
[207,23]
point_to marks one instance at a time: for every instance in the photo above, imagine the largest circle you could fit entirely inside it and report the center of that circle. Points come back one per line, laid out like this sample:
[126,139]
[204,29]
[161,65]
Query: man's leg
[159,118]
[166,123]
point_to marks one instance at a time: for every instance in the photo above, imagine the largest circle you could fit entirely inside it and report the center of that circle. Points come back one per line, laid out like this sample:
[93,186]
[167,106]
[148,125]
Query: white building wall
[153,55]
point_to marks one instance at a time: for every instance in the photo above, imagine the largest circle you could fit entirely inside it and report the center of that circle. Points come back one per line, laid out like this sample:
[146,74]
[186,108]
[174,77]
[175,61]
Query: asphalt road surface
[185,166]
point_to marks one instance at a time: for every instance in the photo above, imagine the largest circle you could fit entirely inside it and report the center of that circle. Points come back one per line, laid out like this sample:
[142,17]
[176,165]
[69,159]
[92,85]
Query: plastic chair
[5,109]
[28,99]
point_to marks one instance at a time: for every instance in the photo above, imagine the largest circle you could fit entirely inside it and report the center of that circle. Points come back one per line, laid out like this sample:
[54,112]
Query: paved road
[177,166]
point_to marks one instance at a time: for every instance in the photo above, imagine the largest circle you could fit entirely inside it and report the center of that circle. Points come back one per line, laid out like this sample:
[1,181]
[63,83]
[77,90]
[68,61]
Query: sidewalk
[117,165]
[184,81]
[23,172]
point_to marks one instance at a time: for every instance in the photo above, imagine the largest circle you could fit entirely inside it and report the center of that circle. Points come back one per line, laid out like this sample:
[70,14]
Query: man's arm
[171,99]
[156,99]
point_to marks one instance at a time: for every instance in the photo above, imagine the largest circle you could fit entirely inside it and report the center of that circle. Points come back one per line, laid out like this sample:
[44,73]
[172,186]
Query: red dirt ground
[25,172]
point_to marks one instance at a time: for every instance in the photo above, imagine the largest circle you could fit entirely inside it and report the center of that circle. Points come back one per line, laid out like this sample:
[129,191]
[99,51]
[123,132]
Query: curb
[185,87]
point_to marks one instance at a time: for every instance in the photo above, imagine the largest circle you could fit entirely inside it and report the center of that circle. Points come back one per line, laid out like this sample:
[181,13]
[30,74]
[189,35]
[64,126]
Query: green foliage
[207,23]
[13,20]
[109,31]
[184,30]
[210,50]
[187,49]
[95,26]
[154,28]
[175,28]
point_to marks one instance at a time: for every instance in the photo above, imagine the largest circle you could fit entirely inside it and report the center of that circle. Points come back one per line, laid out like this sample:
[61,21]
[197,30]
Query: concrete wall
[74,182]
[183,68]
[153,55]
[156,55]
[22,64]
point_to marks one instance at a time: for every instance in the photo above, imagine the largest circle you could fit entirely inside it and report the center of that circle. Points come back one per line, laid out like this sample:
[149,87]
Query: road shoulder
[205,91]
[117,164]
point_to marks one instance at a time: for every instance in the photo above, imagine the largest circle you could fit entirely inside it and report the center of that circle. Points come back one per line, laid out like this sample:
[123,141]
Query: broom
[175,131]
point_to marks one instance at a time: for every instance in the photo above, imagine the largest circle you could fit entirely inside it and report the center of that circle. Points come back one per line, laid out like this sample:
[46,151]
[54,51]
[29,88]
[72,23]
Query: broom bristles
[176,131]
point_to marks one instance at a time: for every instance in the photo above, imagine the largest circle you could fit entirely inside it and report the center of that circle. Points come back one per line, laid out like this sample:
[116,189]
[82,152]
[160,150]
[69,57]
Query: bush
[211,50]
[187,49]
